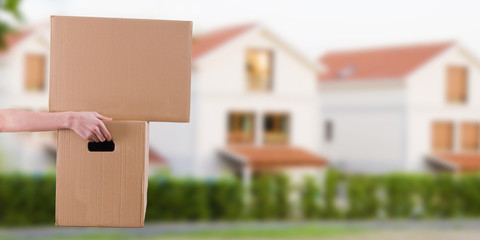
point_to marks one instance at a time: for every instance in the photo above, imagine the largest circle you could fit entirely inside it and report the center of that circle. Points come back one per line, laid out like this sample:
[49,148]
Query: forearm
[13,120]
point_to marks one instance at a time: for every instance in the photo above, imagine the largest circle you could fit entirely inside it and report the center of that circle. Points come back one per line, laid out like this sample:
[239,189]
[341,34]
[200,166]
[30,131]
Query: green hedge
[362,197]
[330,209]
[30,199]
[310,199]
[26,200]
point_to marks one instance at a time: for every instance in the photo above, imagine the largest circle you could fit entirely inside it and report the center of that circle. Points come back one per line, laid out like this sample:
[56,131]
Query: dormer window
[456,84]
[259,70]
[34,72]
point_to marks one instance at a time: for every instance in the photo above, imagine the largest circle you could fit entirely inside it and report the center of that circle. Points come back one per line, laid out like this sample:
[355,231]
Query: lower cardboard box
[103,184]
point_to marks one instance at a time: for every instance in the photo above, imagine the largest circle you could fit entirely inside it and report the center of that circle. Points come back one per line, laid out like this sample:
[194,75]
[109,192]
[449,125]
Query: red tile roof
[209,41]
[13,38]
[201,44]
[266,157]
[378,63]
[155,158]
[463,162]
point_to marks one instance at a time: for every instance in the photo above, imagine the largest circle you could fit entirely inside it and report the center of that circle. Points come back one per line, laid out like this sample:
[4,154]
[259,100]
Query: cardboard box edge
[146,127]
[50,69]
[56,185]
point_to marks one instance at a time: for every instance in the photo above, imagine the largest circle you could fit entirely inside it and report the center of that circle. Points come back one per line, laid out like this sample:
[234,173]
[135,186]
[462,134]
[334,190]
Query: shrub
[27,199]
[446,203]
[264,204]
[196,198]
[469,195]
[282,193]
[226,200]
[167,198]
[362,198]
[330,209]
[309,199]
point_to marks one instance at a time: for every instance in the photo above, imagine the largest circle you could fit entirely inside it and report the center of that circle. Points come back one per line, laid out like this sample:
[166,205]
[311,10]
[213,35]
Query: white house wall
[175,142]
[368,125]
[427,103]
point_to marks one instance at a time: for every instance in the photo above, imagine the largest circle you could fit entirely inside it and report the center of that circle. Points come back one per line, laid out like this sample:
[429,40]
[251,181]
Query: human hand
[89,126]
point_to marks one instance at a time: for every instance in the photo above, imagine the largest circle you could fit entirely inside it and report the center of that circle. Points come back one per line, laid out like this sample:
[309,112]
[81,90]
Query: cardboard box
[126,69]
[103,188]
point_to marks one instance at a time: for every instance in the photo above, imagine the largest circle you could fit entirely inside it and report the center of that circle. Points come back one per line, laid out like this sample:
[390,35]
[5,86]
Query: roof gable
[379,63]
[13,38]
[205,43]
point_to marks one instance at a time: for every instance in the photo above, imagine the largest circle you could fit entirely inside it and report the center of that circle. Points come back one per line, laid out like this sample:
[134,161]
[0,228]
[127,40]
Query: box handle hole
[107,146]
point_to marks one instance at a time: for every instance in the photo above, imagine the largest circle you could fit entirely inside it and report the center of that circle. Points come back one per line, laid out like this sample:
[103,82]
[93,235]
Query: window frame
[238,114]
[278,123]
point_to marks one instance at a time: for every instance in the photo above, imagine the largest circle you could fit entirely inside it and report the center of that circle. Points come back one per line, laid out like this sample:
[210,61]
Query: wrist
[67,119]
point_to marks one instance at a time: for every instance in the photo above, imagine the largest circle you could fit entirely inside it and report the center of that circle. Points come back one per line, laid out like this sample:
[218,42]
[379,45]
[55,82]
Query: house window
[241,128]
[34,72]
[442,136]
[276,128]
[470,136]
[328,131]
[259,69]
[456,84]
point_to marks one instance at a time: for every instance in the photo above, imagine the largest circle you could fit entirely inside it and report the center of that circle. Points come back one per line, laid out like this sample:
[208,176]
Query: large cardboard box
[100,187]
[127,69]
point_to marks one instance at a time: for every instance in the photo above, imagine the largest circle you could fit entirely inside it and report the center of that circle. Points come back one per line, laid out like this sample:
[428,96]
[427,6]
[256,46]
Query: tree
[9,7]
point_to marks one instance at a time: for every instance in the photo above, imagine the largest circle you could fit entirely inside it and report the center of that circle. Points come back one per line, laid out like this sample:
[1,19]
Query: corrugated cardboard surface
[127,69]
[103,188]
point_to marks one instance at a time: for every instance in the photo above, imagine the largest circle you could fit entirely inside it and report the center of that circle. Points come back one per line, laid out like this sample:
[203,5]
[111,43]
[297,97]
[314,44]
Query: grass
[292,232]
[284,232]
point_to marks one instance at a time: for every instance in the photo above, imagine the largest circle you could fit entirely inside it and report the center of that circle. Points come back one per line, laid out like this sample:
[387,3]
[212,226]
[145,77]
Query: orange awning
[462,162]
[266,157]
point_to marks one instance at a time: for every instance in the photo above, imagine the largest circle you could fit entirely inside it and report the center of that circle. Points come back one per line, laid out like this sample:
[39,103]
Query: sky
[312,27]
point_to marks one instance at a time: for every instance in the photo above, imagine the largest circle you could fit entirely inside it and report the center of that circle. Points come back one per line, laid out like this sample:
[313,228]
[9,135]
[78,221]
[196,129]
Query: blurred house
[24,85]
[24,77]
[254,109]
[405,108]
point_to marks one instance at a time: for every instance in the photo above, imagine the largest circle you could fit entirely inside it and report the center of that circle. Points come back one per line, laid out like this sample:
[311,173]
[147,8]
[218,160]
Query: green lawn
[292,232]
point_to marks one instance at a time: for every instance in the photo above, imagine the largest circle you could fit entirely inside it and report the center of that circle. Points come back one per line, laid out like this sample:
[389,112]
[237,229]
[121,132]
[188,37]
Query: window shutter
[470,136]
[442,136]
[34,72]
[456,84]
